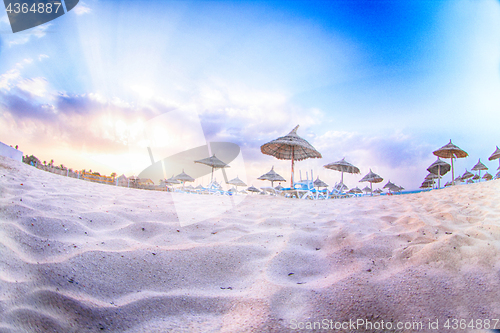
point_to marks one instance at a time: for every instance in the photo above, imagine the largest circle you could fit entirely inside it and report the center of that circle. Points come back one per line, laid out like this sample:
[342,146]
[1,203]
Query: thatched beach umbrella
[439,168]
[371,177]
[342,166]
[450,151]
[497,175]
[355,190]
[495,156]
[183,177]
[319,183]
[172,181]
[290,147]
[366,189]
[427,184]
[213,162]
[253,189]
[378,191]
[478,167]
[467,175]
[487,176]
[476,177]
[431,176]
[272,176]
[236,182]
[391,187]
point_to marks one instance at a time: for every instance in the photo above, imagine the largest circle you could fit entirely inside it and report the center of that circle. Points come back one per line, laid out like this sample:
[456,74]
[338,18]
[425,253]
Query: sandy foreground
[77,256]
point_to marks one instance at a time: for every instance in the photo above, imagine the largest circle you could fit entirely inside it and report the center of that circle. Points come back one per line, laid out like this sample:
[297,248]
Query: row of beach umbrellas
[293,147]
[440,167]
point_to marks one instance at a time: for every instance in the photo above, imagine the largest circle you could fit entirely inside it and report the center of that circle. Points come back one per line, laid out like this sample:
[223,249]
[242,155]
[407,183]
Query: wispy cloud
[81,9]
[12,76]
[24,37]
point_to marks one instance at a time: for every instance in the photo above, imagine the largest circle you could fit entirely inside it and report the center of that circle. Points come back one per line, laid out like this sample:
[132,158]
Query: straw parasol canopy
[183,177]
[253,189]
[391,187]
[439,168]
[319,183]
[450,151]
[388,185]
[495,155]
[356,190]
[478,167]
[342,166]
[467,175]
[371,177]
[487,176]
[236,182]
[213,162]
[172,181]
[367,189]
[427,184]
[431,176]
[279,187]
[290,147]
[272,176]
[377,191]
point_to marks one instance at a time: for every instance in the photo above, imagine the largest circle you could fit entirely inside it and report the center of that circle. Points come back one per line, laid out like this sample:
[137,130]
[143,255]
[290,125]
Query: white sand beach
[83,257]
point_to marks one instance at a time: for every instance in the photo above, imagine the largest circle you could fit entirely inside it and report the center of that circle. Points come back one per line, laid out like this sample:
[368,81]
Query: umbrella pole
[371,188]
[293,156]
[212,179]
[439,176]
[452,173]
[342,177]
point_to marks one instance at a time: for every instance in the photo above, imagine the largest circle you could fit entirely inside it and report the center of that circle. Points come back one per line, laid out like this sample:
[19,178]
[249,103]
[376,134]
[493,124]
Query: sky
[381,83]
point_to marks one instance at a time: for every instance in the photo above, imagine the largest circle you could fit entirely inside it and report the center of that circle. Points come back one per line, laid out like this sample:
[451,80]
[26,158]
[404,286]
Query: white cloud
[36,86]
[81,9]
[12,76]
[4,19]
[42,56]
[24,37]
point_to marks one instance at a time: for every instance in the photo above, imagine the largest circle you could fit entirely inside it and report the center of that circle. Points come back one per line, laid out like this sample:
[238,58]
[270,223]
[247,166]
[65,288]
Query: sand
[83,257]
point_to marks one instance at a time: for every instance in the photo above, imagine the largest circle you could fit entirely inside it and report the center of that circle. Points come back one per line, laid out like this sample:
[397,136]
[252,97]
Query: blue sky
[382,83]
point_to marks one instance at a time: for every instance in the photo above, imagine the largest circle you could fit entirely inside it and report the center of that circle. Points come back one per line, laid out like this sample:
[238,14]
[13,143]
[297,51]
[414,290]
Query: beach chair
[337,192]
[305,189]
[270,190]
